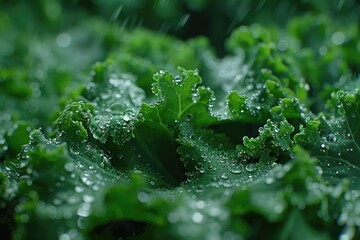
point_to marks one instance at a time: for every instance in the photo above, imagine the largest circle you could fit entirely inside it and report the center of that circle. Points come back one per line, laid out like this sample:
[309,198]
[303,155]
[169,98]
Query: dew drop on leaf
[269,180]
[347,234]
[88,198]
[84,210]
[70,166]
[224,176]
[319,170]
[143,197]
[79,189]
[197,217]
[81,222]
[64,236]
[251,167]
[200,204]
[235,168]
[73,200]
[126,118]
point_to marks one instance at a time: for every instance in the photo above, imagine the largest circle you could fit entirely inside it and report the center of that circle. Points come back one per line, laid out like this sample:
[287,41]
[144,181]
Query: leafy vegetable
[141,135]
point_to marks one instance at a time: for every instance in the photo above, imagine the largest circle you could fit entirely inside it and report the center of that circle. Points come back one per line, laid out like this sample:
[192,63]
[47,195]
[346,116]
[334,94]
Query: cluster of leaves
[262,143]
[190,18]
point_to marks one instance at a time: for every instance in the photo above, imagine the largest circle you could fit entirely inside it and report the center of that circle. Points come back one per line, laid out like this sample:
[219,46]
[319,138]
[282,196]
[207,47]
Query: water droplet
[251,167]
[200,167]
[235,168]
[88,198]
[143,197]
[323,50]
[63,40]
[126,118]
[81,223]
[74,148]
[200,204]
[79,189]
[57,201]
[282,45]
[69,166]
[319,170]
[85,178]
[269,180]
[64,236]
[197,217]
[224,176]
[338,38]
[73,200]
[347,233]
[84,210]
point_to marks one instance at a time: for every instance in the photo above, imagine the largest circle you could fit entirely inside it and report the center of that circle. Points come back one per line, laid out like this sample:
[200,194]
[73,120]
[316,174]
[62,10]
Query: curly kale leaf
[178,99]
[294,196]
[136,155]
[335,140]
[59,187]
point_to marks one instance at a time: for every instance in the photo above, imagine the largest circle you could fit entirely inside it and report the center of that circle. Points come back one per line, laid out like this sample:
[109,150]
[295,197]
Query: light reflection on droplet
[200,204]
[283,45]
[143,197]
[70,166]
[84,210]
[64,236]
[251,167]
[79,189]
[88,198]
[338,38]
[63,40]
[197,217]
[323,50]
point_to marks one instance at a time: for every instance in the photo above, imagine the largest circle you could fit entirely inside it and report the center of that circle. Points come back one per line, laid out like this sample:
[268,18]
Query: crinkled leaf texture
[136,158]
[60,186]
[335,141]
[161,170]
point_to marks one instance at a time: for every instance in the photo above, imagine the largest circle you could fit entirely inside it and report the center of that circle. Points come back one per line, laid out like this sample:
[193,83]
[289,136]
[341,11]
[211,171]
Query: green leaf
[178,99]
[138,152]
[288,200]
[335,141]
[211,159]
[59,187]
[73,119]
[273,136]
